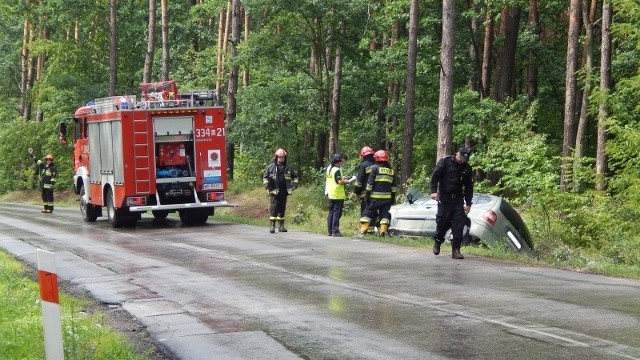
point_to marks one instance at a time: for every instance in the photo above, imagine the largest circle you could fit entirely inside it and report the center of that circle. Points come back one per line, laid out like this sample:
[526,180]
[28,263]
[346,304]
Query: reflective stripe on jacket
[381,184]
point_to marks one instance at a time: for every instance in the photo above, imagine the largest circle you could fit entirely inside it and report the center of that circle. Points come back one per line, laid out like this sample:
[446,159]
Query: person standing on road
[452,187]
[334,187]
[280,180]
[381,192]
[364,169]
[47,172]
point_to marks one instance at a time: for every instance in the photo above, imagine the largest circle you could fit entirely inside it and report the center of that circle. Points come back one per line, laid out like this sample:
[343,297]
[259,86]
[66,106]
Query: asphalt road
[228,291]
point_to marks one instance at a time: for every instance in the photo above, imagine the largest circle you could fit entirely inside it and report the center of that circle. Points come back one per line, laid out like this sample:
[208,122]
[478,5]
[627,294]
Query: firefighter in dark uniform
[47,172]
[452,187]
[280,180]
[364,169]
[381,191]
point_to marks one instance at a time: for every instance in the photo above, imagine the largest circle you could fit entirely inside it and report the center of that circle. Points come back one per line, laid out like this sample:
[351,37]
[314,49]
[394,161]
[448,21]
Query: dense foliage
[289,58]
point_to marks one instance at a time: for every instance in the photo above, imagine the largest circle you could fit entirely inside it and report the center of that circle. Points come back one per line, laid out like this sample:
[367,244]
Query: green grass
[85,335]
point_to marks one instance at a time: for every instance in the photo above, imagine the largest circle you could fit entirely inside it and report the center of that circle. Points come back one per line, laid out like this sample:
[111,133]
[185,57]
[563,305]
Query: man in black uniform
[280,180]
[452,187]
[47,172]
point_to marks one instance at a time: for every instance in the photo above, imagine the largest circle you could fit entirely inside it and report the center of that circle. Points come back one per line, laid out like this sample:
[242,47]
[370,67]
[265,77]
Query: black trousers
[364,203]
[334,215]
[379,209]
[278,206]
[451,215]
[47,196]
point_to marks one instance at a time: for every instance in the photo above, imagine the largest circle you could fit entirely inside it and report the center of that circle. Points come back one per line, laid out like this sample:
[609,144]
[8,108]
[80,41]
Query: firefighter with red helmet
[47,172]
[381,191]
[280,180]
[364,169]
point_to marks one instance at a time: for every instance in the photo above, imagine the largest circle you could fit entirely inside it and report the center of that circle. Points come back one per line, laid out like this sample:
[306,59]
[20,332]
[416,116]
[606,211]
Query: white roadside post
[50,303]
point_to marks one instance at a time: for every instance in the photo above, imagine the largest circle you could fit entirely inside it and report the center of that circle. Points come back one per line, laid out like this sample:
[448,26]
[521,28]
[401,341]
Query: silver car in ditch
[492,221]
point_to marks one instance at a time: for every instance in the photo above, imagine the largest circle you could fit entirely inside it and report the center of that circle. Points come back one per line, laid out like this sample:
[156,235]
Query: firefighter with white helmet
[381,190]
[280,180]
[47,172]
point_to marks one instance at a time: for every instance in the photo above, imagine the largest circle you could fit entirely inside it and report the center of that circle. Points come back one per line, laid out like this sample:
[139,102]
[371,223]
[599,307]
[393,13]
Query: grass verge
[85,335]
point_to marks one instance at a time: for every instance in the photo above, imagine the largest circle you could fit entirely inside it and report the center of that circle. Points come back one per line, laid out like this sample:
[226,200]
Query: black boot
[45,209]
[51,208]
[455,254]
[281,228]
[436,246]
[272,226]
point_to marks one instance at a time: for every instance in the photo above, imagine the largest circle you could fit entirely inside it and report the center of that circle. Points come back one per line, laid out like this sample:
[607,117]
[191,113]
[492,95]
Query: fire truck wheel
[194,217]
[118,217]
[89,212]
[160,214]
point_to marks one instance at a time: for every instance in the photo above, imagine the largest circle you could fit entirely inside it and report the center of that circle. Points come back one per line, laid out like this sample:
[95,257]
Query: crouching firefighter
[280,180]
[47,172]
[380,192]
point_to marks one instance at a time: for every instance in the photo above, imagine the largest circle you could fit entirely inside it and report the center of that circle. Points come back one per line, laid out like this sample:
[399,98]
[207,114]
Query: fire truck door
[209,136]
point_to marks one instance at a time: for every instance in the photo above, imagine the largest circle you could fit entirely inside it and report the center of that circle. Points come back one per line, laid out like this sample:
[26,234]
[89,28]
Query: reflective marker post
[50,303]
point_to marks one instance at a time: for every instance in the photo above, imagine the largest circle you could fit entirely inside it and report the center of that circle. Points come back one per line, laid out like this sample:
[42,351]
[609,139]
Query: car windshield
[481,199]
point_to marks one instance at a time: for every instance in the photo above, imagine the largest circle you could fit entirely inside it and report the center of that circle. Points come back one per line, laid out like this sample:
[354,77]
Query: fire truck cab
[163,153]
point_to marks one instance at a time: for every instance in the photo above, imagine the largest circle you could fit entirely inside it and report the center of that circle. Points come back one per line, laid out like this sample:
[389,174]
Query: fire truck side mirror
[62,136]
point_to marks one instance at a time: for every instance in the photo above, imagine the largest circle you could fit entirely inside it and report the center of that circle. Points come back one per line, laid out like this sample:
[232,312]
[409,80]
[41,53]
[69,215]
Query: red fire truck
[164,152]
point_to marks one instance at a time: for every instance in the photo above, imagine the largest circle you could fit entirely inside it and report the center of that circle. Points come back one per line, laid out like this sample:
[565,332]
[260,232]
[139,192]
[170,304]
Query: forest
[544,92]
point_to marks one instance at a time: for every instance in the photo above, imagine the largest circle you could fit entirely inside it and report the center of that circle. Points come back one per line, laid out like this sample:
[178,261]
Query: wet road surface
[229,291]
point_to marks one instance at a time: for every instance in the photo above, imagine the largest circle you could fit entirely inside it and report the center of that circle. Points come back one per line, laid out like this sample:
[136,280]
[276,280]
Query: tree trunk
[24,98]
[393,92]
[42,60]
[221,26]
[233,83]
[113,48]
[474,82]
[335,98]
[605,87]
[165,39]
[410,110]
[487,56]
[509,27]
[569,135]
[445,102]
[532,69]
[151,43]
[225,37]
[245,72]
[587,61]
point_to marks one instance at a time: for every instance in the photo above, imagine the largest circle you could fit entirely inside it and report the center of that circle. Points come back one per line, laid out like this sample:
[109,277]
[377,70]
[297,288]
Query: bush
[564,223]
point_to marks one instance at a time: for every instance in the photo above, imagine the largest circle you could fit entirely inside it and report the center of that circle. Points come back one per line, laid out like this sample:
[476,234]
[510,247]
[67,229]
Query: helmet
[366,151]
[381,156]
[49,157]
[281,152]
